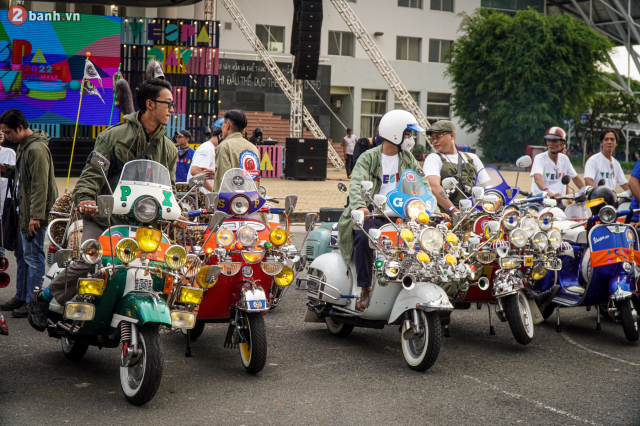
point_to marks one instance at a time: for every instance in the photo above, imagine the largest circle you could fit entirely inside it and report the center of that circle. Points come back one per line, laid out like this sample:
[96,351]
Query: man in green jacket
[382,165]
[142,136]
[34,178]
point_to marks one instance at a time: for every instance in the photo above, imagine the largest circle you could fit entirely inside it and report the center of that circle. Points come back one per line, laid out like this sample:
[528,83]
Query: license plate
[528,261]
[257,304]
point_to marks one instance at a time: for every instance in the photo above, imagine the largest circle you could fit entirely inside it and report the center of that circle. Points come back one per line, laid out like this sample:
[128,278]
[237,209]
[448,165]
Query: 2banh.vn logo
[18,15]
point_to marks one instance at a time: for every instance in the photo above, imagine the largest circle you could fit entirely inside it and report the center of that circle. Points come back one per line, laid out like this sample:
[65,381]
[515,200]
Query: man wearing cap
[448,162]
[549,167]
[204,159]
[185,154]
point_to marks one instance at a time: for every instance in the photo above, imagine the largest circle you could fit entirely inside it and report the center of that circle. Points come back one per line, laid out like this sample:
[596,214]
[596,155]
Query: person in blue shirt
[185,154]
[634,186]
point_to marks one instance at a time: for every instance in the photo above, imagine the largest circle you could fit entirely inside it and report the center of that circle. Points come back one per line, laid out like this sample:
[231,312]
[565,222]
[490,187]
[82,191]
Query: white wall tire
[141,381]
[338,329]
[421,352]
[518,313]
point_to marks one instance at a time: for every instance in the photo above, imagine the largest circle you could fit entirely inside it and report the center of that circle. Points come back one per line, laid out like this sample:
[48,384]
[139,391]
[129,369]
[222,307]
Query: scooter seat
[576,235]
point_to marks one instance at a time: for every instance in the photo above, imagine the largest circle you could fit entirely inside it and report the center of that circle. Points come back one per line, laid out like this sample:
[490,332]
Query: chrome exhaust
[409,282]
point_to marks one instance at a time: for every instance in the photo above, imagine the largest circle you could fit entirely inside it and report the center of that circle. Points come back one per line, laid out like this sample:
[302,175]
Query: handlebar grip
[275,210]
[195,213]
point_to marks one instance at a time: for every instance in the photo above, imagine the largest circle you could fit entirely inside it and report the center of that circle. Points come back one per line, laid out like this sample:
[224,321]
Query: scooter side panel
[382,301]
[569,277]
[144,307]
[408,299]
[317,243]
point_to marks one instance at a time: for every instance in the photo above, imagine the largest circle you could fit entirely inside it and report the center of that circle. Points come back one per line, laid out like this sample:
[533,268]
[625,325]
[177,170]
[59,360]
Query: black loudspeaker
[306,159]
[305,38]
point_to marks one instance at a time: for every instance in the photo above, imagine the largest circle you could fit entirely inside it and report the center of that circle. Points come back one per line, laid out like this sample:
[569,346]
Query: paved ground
[581,376]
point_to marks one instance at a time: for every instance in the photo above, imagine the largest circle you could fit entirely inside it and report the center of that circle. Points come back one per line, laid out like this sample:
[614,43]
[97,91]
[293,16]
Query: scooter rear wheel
[253,351]
[338,329]
[518,313]
[73,349]
[422,351]
[629,324]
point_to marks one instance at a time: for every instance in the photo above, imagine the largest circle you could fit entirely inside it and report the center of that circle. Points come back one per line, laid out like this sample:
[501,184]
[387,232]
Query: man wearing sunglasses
[141,136]
[602,166]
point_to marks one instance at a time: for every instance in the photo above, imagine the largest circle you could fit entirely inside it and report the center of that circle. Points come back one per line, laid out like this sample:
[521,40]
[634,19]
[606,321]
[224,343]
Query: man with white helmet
[382,165]
[549,167]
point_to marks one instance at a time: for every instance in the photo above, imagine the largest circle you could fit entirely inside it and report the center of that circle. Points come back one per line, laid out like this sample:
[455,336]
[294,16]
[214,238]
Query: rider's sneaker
[365,298]
[21,312]
[543,299]
[37,314]
[12,304]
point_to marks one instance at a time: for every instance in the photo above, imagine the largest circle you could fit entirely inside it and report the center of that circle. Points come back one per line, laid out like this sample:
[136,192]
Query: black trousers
[349,164]
[363,254]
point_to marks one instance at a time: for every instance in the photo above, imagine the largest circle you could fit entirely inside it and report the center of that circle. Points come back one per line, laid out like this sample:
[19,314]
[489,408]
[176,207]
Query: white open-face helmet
[394,123]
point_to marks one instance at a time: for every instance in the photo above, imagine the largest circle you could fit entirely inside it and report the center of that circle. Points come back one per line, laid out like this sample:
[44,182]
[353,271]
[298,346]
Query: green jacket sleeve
[223,163]
[38,163]
[91,180]
[360,172]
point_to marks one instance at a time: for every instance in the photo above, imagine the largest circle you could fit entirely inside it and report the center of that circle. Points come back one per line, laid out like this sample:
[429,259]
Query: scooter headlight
[127,250]
[148,239]
[91,252]
[224,238]
[608,214]
[545,221]
[413,208]
[253,256]
[493,231]
[510,262]
[191,295]
[284,277]
[146,210]
[540,241]
[518,238]
[239,205]
[538,272]
[191,266]
[201,278]
[510,220]
[247,236]
[555,239]
[175,257]
[431,240]
[91,286]
[278,236]
[529,225]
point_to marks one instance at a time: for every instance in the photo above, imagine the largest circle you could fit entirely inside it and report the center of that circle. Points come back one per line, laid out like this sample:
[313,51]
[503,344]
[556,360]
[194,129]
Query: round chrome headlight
[510,220]
[127,250]
[146,209]
[413,208]
[608,214]
[518,238]
[247,236]
[545,221]
[493,231]
[492,206]
[224,237]
[239,205]
[431,240]
[555,239]
[529,225]
[191,266]
[175,257]
[91,252]
[540,241]
[392,269]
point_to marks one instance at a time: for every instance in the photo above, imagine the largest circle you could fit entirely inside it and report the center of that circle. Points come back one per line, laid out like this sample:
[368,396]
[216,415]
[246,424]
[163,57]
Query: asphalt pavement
[577,377]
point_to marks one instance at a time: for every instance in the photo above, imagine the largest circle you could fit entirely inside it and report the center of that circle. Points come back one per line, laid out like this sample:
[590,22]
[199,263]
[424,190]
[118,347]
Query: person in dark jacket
[365,144]
[34,177]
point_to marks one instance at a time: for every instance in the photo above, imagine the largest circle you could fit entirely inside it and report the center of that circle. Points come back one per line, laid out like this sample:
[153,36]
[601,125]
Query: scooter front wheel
[518,313]
[421,350]
[253,350]
[629,321]
[141,381]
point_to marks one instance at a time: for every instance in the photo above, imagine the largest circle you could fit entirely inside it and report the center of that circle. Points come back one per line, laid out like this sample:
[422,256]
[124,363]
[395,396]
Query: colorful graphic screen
[42,61]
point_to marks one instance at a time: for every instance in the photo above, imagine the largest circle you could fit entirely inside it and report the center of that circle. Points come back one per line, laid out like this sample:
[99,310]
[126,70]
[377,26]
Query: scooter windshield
[410,188]
[147,172]
[497,183]
[239,183]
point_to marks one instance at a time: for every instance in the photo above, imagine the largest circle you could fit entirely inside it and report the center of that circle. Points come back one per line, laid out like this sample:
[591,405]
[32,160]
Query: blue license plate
[257,304]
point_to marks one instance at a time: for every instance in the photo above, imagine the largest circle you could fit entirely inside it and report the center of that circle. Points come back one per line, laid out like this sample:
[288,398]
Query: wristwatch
[451,208]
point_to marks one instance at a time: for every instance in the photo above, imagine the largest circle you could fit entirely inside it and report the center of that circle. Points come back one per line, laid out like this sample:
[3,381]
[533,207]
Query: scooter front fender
[424,296]
[141,307]
[621,287]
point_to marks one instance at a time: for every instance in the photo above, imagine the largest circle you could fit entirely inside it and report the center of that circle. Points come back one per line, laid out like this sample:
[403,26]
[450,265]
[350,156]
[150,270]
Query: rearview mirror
[290,203]
[211,201]
[375,234]
[310,222]
[380,200]
[213,273]
[549,202]
[197,180]
[216,220]
[98,161]
[365,187]
[105,205]
[357,217]
[524,161]
[491,198]
[63,256]
[565,180]
[262,191]
[449,183]
[477,193]
[466,205]
[342,187]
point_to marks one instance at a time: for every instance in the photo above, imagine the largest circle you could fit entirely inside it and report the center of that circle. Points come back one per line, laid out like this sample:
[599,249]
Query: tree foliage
[516,76]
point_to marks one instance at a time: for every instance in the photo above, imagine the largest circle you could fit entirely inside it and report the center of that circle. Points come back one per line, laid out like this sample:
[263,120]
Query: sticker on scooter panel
[238,180]
[126,191]
[630,235]
[167,199]
[257,304]
[528,261]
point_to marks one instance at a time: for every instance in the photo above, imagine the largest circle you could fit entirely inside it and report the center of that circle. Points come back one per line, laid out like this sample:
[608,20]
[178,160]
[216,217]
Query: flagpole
[77,121]
[114,93]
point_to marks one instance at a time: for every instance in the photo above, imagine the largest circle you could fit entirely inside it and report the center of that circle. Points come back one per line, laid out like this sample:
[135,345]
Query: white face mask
[407,144]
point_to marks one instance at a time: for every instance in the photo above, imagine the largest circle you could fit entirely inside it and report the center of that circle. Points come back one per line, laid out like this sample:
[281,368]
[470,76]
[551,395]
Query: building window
[408,48]
[438,106]
[398,105]
[98,9]
[272,38]
[443,5]
[438,50]
[417,4]
[341,43]
[373,107]
[513,5]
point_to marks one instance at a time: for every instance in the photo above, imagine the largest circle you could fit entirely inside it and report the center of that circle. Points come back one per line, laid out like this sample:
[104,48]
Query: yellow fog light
[423,257]
[423,218]
[407,235]
[230,268]
[278,236]
[91,286]
[253,256]
[451,259]
[79,311]
[452,238]
[201,278]
[148,239]
[127,250]
[183,319]
[271,266]
[284,277]
[175,257]
[538,272]
[224,238]
[191,296]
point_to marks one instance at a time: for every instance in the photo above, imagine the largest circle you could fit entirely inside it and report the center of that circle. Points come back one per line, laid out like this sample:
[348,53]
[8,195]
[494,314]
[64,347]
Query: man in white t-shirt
[549,167]
[464,166]
[204,161]
[349,143]
[602,166]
